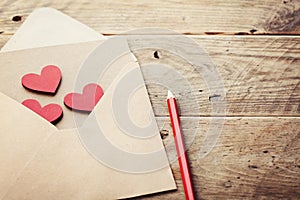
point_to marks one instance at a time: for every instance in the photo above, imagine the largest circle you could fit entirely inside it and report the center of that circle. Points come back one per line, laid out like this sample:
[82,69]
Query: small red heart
[86,101]
[47,82]
[51,112]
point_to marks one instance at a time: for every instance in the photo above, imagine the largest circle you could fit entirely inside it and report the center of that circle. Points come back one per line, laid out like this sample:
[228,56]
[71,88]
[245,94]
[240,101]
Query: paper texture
[70,163]
[16,64]
[48,27]
[19,141]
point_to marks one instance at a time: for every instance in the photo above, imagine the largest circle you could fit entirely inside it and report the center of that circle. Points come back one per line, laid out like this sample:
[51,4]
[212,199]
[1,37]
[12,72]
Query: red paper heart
[51,112]
[47,82]
[86,101]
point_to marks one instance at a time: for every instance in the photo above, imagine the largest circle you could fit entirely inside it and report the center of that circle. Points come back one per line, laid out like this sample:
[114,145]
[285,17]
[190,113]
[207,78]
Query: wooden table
[255,47]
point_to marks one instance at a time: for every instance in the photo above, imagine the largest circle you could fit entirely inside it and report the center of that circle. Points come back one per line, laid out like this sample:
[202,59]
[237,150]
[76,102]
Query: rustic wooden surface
[255,48]
[255,158]
[190,17]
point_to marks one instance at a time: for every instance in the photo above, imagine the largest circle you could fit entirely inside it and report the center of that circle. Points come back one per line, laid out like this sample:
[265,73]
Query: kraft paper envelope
[93,161]
[48,27]
[63,169]
[19,139]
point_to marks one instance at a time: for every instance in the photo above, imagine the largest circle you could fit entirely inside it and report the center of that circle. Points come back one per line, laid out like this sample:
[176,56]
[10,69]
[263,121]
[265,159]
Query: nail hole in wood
[16,18]
[164,133]
[253,31]
[155,54]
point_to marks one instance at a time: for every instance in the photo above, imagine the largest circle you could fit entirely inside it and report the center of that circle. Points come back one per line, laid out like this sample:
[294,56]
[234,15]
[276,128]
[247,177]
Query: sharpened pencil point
[170,94]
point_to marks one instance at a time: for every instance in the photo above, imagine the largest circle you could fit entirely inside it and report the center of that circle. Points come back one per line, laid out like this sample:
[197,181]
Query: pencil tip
[170,94]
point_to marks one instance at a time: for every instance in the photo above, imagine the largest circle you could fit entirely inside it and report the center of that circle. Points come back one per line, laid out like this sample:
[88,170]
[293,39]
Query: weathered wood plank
[261,76]
[254,158]
[190,17]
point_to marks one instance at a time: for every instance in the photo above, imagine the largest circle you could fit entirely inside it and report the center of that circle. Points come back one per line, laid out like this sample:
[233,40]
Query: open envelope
[86,156]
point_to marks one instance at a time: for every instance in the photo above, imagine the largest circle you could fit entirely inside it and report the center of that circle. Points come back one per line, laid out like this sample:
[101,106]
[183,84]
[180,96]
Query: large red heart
[86,101]
[47,82]
[51,112]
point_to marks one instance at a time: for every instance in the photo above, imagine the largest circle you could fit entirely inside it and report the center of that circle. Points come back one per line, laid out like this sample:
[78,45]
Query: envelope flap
[22,134]
[47,27]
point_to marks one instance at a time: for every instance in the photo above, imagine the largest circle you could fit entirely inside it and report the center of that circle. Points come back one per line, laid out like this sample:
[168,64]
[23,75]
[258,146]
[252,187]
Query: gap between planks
[231,116]
[206,34]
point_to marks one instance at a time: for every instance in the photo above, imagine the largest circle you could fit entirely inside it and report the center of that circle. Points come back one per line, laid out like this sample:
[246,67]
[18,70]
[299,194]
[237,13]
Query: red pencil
[182,158]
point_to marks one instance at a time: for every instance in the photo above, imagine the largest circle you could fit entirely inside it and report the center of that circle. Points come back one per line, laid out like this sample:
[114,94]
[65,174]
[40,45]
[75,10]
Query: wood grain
[254,158]
[189,17]
[261,76]
[257,152]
